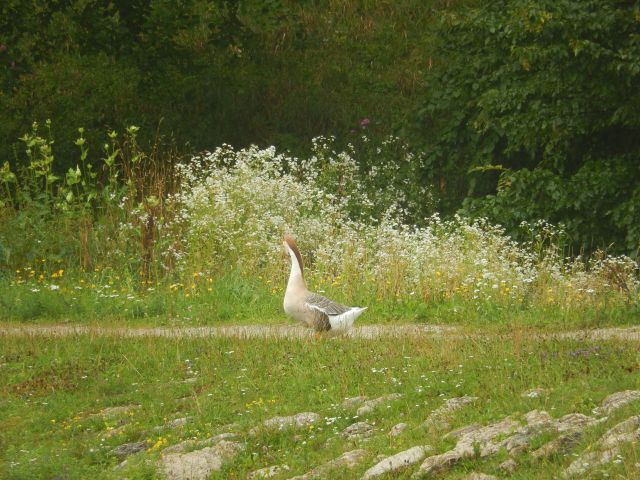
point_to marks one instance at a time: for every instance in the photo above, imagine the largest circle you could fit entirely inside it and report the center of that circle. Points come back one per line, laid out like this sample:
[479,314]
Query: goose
[311,309]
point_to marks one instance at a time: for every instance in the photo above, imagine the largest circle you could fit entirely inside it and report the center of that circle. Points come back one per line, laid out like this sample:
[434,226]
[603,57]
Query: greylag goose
[313,310]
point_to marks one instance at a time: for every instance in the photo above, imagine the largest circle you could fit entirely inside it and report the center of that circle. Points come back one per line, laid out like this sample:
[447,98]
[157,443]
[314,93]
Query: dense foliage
[208,71]
[514,110]
[533,111]
[123,238]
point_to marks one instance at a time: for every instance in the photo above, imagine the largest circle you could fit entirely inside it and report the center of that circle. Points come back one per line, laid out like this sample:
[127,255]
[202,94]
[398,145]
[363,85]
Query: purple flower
[364,123]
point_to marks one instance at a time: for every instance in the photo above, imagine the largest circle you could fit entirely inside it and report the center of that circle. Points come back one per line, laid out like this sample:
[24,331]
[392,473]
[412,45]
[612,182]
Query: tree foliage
[532,110]
[207,71]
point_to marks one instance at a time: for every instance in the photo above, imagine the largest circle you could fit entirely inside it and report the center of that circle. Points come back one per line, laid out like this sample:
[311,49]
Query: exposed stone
[617,400]
[196,444]
[534,393]
[353,402]
[438,418]
[358,430]
[607,447]
[479,476]
[178,422]
[397,461]
[538,418]
[370,405]
[397,429]
[514,445]
[559,445]
[129,449]
[199,464]
[477,441]
[570,426]
[508,466]
[437,463]
[111,412]
[488,433]
[459,432]
[293,421]
[268,472]
[620,432]
[574,422]
[346,460]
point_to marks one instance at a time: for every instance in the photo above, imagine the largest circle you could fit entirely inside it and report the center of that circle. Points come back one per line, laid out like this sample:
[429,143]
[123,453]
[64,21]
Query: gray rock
[474,440]
[508,466]
[586,462]
[438,463]
[353,402]
[479,476]
[346,460]
[293,421]
[570,426]
[460,432]
[190,444]
[397,461]
[397,429]
[198,464]
[538,418]
[478,440]
[358,430]
[129,449]
[621,432]
[559,445]
[617,400]
[178,422]
[268,472]
[370,405]
[534,393]
[607,447]
[111,412]
[574,422]
[488,433]
[438,418]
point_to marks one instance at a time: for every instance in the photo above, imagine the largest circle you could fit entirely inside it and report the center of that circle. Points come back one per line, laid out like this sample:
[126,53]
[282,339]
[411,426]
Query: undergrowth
[153,236]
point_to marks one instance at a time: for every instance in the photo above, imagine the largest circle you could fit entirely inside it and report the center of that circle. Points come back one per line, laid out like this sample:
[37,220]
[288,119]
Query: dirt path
[297,332]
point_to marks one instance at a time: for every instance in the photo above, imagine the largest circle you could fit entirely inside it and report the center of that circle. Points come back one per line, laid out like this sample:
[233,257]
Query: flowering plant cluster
[234,206]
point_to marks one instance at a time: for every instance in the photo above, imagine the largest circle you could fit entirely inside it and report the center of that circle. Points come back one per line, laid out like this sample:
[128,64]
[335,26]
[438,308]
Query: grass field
[53,391]
[201,246]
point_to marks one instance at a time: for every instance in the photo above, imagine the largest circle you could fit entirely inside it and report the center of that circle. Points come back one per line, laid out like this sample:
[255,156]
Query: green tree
[532,110]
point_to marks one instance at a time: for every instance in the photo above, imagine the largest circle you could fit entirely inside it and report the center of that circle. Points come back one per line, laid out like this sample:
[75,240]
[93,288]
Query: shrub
[530,112]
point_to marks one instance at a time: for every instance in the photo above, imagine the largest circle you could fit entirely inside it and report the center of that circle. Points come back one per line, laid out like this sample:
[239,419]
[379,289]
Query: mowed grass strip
[52,393]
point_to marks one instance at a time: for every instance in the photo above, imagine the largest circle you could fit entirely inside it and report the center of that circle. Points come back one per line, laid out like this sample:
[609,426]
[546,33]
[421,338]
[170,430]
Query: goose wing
[325,305]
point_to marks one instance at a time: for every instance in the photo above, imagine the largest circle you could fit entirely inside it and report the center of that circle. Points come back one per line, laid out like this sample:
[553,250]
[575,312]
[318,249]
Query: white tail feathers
[345,320]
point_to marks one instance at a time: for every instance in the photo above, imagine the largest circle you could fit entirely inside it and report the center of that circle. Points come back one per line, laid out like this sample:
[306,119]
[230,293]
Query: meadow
[58,394]
[150,237]
[197,242]
[475,185]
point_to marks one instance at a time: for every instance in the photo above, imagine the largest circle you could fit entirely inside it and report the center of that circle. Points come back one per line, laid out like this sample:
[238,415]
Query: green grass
[106,298]
[50,388]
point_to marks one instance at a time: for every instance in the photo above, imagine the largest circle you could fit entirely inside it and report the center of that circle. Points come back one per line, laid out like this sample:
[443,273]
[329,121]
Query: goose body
[311,309]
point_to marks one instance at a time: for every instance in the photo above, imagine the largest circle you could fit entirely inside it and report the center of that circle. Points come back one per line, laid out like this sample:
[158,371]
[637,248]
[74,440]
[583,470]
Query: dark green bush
[208,71]
[532,111]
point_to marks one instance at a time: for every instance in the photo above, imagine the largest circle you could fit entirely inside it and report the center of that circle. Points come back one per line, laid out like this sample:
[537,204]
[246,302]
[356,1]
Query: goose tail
[345,320]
